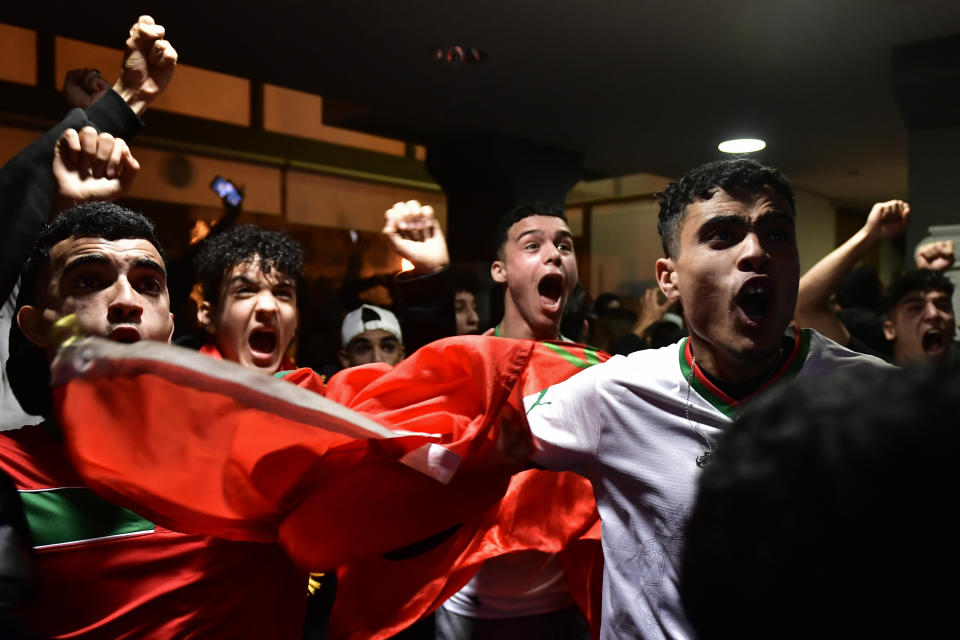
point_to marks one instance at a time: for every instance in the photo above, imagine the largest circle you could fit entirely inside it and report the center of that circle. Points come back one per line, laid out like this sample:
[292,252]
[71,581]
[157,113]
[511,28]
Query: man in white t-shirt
[641,427]
[523,595]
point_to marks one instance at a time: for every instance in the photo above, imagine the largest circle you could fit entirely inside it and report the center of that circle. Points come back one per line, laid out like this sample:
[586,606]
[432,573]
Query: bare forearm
[822,280]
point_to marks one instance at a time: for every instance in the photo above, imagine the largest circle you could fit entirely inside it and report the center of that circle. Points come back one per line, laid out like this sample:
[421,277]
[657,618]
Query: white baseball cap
[368,317]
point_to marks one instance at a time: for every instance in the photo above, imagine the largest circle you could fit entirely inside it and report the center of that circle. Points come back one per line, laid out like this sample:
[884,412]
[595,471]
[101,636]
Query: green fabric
[73,514]
[726,408]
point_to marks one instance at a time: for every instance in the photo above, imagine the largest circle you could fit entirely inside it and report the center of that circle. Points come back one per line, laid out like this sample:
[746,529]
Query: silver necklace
[711,445]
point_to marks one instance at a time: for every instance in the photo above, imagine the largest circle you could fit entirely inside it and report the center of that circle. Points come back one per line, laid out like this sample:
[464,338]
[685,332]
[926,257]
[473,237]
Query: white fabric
[514,585]
[623,425]
[12,416]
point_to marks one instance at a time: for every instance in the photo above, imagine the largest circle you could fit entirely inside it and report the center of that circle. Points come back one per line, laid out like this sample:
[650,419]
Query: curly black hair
[241,244]
[825,512]
[914,280]
[517,214]
[699,184]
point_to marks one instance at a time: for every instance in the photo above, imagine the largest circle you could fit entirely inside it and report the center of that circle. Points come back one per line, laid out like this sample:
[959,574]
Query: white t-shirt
[635,428]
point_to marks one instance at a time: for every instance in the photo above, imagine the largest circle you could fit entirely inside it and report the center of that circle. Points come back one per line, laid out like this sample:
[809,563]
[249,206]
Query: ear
[30,320]
[403,352]
[498,271]
[889,332]
[170,336]
[205,316]
[344,361]
[667,279]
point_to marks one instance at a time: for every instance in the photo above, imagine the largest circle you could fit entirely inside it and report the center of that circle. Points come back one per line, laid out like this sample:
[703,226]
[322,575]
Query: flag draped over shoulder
[546,511]
[206,446]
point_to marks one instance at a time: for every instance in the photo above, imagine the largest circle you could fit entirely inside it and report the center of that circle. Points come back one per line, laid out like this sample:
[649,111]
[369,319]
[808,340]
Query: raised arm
[148,64]
[935,256]
[91,166]
[886,220]
[27,188]
[425,295]
[415,234]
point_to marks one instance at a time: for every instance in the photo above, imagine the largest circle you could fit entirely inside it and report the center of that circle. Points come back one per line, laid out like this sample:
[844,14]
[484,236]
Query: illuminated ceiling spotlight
[742,145]
[457,54]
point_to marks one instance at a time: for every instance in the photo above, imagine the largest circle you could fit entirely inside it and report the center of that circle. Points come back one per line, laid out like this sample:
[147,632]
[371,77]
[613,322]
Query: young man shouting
[249,278]
[104,571]
[641,427]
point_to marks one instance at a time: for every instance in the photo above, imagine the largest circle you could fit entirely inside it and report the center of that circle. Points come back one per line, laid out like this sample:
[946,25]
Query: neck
[728,368]
[513,325]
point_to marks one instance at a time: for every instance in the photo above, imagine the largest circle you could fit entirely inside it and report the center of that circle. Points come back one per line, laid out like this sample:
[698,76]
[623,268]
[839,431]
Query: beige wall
[816,227]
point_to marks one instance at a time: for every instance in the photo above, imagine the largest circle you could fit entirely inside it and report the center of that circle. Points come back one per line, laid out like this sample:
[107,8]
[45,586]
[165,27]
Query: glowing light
[405,265]
[199,231]
[742,145]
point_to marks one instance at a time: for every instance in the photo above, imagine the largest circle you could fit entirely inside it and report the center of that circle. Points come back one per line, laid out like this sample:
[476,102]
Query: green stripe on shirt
[76,514]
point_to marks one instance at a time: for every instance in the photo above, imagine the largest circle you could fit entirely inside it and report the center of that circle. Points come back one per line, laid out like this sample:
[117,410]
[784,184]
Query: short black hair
[701,182]
[27,368]
[244,243]
[914,280]
[464,280]
[95,219]
[824,511]
[517,214]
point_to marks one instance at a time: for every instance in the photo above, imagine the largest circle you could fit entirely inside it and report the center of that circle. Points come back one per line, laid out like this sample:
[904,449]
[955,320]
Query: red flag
[546,511]
[209,447]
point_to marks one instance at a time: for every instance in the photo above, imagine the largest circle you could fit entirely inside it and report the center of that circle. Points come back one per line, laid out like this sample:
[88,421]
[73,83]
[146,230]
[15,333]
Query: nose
[125,305]
[472,318]
[753,256]
[266,305]
[552,253]
[378,354]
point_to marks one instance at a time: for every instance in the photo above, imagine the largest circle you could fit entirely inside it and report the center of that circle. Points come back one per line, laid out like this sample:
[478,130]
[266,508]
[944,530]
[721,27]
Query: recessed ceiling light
[741,145]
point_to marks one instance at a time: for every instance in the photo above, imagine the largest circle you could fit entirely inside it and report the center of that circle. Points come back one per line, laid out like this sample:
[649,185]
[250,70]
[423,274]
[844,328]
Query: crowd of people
[760,448]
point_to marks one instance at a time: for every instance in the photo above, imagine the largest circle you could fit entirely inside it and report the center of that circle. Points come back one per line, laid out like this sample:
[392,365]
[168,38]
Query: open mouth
[127,335]
[934,342]
[754,301]
[550,289]
[263,342]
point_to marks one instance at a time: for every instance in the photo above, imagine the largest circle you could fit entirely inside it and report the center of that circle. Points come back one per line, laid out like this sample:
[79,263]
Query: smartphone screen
[226,190]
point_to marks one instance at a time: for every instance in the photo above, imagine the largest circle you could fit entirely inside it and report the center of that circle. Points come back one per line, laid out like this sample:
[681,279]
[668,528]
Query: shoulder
[645,369]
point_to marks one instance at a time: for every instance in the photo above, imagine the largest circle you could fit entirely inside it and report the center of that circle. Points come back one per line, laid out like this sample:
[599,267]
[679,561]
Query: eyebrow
[562,232]
[764,218]
[147,263]
[85,260]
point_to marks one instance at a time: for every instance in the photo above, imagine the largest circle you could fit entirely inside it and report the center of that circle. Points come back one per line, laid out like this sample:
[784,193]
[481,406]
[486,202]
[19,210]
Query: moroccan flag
[545,511]
[408,488]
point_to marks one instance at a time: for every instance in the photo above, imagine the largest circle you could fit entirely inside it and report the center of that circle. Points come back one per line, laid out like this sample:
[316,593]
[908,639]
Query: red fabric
[250,468]
[155,585]
[247,470]
[546,511]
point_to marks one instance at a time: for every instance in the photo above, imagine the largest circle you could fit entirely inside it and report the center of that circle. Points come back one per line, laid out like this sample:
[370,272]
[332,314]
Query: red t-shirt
[105,572]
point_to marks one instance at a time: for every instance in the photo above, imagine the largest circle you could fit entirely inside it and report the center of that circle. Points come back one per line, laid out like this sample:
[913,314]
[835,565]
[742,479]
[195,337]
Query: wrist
[135,99]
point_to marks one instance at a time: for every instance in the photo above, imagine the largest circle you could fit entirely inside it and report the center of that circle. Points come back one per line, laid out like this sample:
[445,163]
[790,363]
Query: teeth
[754,288]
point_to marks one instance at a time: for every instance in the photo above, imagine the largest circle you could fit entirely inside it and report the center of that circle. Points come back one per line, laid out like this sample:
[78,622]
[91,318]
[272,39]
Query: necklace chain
[701,460]
[711,444]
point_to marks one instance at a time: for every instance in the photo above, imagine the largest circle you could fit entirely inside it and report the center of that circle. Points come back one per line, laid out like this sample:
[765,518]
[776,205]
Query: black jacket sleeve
[26,181]
[425,308]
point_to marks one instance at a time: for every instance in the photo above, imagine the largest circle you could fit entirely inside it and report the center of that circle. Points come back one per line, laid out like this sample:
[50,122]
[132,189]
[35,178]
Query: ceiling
[635,86]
